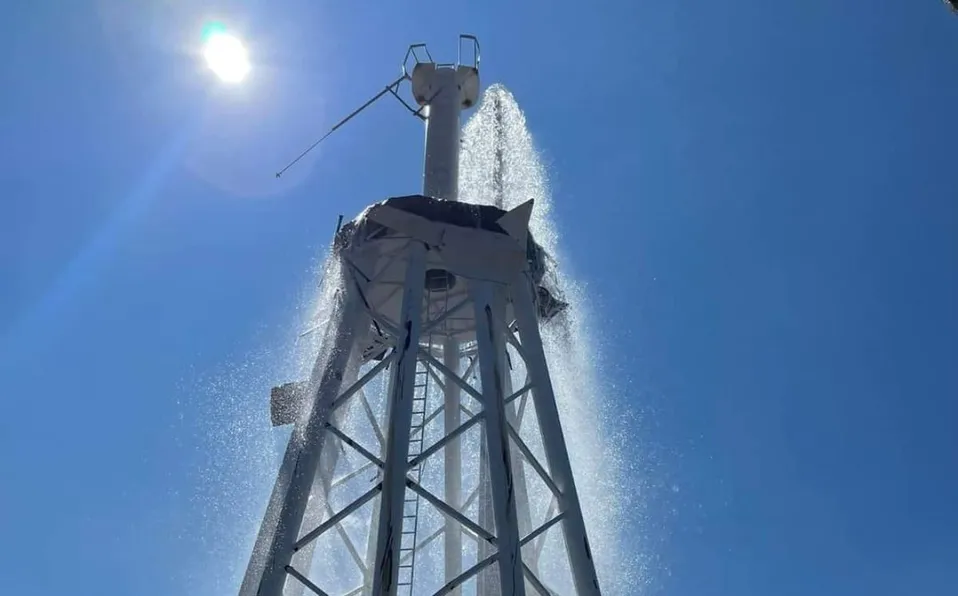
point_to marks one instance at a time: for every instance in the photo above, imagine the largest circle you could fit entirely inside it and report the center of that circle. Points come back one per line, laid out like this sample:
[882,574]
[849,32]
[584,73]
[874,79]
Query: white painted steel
[487,583]
[401,389]
[444,90]
[452,460]
[486,263]
[573,525]
[266,574]
[490,310]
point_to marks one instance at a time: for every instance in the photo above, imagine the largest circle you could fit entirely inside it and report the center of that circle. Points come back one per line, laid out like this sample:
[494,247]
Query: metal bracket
[414,52]
[475,51]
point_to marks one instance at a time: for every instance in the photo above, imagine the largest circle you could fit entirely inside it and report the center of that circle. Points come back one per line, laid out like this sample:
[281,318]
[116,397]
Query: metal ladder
[410,517]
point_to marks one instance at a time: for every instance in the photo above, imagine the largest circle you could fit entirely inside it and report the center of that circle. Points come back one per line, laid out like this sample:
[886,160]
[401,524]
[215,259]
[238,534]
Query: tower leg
[523,513]
[453,465]
[266,575]
[557,456]
[316,507]
[490,307]
[401,389]
[487,584]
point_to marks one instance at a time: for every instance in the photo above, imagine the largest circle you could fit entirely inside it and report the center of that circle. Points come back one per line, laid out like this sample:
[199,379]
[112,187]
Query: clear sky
[762,196]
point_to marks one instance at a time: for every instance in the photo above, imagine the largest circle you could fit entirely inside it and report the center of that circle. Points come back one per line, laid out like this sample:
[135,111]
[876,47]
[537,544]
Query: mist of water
[497,137]
[500,165]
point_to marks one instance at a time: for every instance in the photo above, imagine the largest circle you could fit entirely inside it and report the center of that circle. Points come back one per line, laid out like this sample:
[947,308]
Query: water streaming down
[499,166]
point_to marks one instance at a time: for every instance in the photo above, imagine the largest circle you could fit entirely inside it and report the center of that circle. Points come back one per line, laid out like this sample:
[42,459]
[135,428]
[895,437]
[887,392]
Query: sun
[226,56]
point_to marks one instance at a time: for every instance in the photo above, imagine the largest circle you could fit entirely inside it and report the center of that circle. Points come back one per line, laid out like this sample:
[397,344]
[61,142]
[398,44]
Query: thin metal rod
[541,529]
[305,581]
[471,535]
[447,510]
[372,420]
[522,407]
[518,393]
[413,111]
[344,397]
[514,341]
[422,544]
[343,514]
[466,575]
[408,555]
[347,541]
[379,321]
[450,375]
[471,499]
[435,377]
[435,414]
[531,459]
[385,90]
[343,480]
[473,361]
[349,441]
[540,544]
[534,580]
[435,447]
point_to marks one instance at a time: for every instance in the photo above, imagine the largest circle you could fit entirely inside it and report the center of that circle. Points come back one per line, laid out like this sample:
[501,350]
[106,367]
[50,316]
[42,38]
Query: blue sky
[762,197]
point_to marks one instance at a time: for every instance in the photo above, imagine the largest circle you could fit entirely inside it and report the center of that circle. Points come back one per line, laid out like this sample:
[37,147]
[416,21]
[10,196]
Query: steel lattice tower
[439,296]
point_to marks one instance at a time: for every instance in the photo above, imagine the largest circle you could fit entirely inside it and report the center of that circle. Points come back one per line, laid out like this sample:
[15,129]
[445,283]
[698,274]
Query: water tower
[439,302]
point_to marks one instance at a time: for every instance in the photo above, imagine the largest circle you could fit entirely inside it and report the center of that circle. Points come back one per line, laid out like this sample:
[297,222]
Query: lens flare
[225,55]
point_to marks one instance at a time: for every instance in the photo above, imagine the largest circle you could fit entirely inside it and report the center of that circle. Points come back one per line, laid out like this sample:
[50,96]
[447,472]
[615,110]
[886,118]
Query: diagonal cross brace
[339,517]
[431,360]
[446,440]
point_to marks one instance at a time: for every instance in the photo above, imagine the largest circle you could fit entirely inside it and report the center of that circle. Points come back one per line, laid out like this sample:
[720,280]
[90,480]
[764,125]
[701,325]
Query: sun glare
[226,56]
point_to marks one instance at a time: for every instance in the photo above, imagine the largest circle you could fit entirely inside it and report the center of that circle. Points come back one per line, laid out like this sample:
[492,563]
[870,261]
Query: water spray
[440,303]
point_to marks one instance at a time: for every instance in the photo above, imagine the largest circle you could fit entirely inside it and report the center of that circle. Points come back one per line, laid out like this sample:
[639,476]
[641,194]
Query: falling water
[499,166]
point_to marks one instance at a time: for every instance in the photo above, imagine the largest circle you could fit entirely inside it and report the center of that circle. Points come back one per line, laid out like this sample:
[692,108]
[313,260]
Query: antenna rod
[389,88]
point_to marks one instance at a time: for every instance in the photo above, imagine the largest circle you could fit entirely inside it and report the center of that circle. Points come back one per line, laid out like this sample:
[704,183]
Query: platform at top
[464,242]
